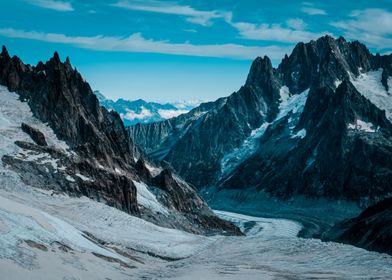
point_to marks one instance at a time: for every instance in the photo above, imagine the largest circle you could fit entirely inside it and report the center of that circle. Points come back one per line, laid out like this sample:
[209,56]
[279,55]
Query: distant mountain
[140,111]
[317,125]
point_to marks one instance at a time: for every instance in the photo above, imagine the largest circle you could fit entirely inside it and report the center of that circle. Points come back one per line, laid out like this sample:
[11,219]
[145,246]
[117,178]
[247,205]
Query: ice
[248,147]
[270,249]
[13,113]
[84,178]
[263,227]
[4,123]
[67,234]
[300,134]
[118,171]
[294,103]
[27,223]
[390,85]
[147,199]
[289,104]
[363,126]
[153,170]
[70,179]
[369,85]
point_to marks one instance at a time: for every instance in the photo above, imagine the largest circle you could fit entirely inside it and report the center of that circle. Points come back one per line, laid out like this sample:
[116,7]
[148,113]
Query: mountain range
[317,126]
[140,111]
[73,145]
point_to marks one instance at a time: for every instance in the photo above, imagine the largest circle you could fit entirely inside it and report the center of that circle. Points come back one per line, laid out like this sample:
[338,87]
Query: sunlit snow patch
[369,85]
[300,134]
[84,178]
[248,147]
[13,113]
[153,170]
[289,104]
[147,199]
[363,126]
[294,103]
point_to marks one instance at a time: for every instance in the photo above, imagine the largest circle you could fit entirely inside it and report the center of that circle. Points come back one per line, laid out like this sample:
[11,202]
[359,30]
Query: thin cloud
[137,43]
[53,5]
[372,26]
[276,32]
[314,11]
[293,33]
[191,14]
[296,23]
[132,115]
[168,114]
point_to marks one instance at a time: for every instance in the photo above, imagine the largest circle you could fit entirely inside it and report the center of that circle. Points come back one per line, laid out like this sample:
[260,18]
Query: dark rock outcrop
[371,230]
[35,134]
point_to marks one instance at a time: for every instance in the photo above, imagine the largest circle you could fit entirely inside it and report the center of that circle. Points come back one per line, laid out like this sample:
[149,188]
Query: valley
[46,234]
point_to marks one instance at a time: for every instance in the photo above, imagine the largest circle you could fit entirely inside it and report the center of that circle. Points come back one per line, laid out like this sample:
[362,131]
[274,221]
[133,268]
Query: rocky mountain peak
[97,159]
[68,61]
[261,69]
[4,52]
[307,110]
[56,58]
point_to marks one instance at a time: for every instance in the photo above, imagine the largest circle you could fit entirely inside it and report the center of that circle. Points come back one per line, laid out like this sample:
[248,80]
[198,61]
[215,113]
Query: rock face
[340,145]
[317,125]
[337,158]
[195,143]
[100,161]
[371,230]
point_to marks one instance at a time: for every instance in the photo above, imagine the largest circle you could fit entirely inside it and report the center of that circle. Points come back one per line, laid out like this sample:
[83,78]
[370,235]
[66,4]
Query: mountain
[318,125]
[56,136]
[140,111]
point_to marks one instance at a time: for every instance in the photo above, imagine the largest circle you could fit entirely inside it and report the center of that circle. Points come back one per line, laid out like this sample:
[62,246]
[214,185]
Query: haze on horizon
[180,50]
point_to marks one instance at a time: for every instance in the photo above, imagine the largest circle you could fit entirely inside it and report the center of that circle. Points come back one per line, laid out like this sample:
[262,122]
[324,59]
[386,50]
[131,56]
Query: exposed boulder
[35,134]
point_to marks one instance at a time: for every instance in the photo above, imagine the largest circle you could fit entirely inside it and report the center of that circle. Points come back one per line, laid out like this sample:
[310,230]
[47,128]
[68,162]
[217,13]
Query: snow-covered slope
[50,235]
[13,113]
[290,105]
[369,85]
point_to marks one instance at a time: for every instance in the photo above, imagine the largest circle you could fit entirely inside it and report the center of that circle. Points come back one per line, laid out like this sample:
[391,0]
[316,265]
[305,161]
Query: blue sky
[180,50]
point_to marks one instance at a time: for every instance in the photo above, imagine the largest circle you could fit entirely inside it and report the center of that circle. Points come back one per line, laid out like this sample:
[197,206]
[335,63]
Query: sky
[181,50]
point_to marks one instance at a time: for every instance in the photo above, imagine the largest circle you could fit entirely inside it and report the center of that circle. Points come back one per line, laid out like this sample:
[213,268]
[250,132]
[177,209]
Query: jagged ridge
[318,66]
[103,162]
